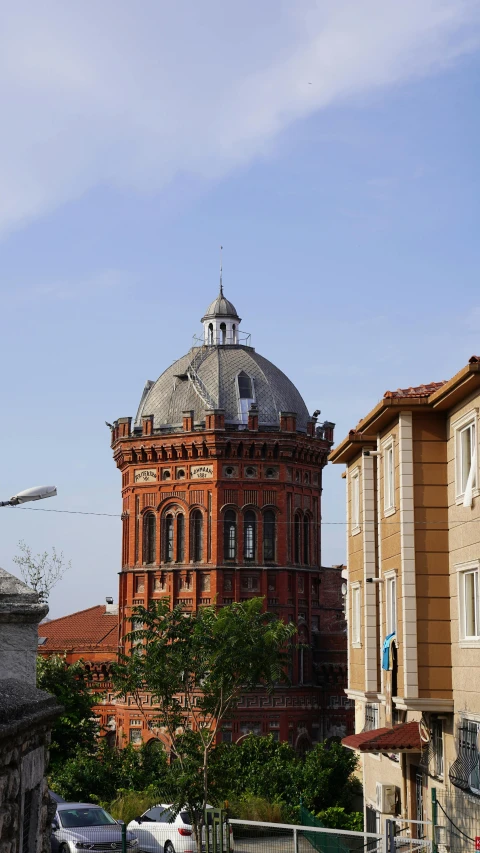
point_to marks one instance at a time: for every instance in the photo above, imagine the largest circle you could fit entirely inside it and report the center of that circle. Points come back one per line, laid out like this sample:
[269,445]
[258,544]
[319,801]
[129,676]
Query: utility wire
[221,520]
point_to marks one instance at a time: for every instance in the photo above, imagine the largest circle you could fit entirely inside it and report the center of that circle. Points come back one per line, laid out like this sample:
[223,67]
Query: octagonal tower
[221,487]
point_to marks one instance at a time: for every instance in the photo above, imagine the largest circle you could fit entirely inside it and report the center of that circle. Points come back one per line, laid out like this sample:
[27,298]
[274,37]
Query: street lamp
[35,494]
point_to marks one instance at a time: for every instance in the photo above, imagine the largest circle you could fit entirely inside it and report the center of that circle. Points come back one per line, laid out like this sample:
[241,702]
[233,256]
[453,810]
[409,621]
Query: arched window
[269,535]
[245,394]
[196,535]
[149,538]
[223,330]
[234,334]
[180,538]
[249,535]
[306,540]
[169,522]
[230,535]
[297,538]
[210,333]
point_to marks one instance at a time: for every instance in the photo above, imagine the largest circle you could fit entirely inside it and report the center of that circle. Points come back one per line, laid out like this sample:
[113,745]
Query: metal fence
[457,821]
[251,836]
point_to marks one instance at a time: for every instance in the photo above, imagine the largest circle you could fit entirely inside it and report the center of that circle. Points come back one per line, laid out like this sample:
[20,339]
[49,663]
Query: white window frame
[391,603]
[355,501]
[469,421]
[356,613]
[389,477]
[464,569]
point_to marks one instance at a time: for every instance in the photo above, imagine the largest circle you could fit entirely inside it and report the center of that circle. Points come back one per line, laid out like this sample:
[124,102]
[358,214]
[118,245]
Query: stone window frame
[388,452]
[470,418]
[462,569]
[356,614]
[354,480]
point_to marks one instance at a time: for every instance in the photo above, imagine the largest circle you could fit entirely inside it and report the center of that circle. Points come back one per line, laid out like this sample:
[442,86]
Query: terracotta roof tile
[401,738]
[86,628]
[415,391]
[474,359]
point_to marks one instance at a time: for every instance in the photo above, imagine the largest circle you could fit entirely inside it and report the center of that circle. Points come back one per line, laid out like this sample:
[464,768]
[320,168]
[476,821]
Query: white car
[159,830]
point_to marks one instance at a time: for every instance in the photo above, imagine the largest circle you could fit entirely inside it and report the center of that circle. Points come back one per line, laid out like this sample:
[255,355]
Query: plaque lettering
[145,475]
[201,472]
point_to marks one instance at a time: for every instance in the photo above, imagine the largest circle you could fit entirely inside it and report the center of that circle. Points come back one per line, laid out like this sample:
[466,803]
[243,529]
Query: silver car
[83,826]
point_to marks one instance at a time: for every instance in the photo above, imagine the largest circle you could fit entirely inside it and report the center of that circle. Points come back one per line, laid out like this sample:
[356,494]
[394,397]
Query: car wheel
[64,848]
[169,848]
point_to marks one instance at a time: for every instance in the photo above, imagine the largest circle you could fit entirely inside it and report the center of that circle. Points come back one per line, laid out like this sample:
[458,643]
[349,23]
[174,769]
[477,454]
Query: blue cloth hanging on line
[386,660]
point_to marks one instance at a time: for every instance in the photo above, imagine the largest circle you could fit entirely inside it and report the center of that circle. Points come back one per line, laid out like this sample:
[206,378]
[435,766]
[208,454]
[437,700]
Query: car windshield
[85,817]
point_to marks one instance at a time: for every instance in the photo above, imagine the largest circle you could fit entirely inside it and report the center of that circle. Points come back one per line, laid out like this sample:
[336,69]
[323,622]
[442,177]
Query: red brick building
[221,487]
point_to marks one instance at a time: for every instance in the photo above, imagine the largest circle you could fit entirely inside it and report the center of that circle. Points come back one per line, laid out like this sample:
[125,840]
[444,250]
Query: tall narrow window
[180,538]
[306,540]
[389,484]
[196,535]
[469,603]
[297,535]
[210,334]
[269,535]
[391,596]
[355,615]
[149,525]
[230,535]
[249,535]
[234,334]
[169,521]
[355,502]
[466,458]
[223,332]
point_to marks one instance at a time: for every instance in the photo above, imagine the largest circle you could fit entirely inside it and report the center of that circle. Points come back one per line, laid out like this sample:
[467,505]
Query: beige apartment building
[413,607]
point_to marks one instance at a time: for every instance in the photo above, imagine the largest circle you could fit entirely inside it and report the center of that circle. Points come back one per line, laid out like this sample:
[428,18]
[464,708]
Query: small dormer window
[245,390]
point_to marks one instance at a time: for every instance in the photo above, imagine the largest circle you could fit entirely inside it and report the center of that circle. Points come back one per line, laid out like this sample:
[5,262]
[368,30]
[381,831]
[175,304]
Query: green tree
[327,778]
[77,726]
[336,817]
[103,774]
[196,666]
[258,767]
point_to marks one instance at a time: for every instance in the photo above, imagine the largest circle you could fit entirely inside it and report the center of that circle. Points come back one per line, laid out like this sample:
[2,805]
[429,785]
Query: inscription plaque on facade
[145,475]
[201,472]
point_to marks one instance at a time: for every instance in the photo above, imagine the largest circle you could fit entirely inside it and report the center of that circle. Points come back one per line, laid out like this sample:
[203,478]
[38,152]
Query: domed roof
[221,307]
[216,369]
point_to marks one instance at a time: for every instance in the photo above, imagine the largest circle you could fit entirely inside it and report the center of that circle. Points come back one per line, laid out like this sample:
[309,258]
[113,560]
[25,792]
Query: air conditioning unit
[386,800]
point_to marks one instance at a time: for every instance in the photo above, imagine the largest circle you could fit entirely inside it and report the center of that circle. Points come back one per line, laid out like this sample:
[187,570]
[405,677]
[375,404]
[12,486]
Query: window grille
[465,771]
[371,718]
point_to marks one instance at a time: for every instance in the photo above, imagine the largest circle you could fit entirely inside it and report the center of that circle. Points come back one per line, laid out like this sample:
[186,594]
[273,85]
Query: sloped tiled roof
[84,629]
[416,390]
[402,738]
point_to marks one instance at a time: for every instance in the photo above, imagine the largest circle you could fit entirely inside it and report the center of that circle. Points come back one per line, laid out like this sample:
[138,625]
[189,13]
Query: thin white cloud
[133,95]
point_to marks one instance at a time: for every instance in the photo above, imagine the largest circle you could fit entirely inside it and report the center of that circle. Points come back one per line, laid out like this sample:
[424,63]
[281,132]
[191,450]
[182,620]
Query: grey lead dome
[174,392]
[207,377]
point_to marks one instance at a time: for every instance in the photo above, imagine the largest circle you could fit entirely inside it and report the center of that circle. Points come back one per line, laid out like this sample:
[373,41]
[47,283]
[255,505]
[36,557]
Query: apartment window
[389,478]
[371,717]
[437,743]
[391,603]
[469,606]
[249,582]
[227,583]
[204,582]
[139,584]
[355,501]
[135,735]
[169,538]
[465,456]
[269,535]
[149,527]
[196,535]
[180,538]
[355,615]
[465,770]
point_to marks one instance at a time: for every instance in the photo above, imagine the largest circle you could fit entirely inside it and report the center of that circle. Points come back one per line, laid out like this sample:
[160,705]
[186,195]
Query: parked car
[56,797]
[78,826]
[160,830]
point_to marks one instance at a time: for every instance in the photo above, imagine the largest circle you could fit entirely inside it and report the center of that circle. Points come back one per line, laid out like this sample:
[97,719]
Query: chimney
[110,608]
[288,421]
[187,417]
[214,418]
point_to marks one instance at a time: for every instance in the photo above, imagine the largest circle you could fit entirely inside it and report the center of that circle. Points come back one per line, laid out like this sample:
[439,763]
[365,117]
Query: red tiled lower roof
[86,628]
[402,738]
[415,390]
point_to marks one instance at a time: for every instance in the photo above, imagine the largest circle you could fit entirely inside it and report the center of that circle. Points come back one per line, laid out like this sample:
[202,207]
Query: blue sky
[332,147]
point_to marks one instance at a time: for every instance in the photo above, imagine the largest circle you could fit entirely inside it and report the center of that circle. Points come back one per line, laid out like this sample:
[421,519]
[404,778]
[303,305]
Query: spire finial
[221,272]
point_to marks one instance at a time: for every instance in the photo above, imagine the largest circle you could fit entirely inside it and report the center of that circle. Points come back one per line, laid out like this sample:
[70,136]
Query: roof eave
[457,388]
